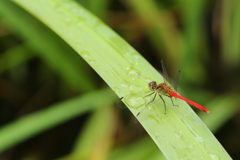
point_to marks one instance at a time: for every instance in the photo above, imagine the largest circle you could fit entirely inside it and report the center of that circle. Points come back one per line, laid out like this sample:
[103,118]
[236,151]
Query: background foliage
[201,38]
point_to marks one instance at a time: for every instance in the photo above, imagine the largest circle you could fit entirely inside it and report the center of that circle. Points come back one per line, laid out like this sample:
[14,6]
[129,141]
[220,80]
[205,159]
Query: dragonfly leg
[165,109]
[152,99]
[149,94]
[173,103]
[148,102]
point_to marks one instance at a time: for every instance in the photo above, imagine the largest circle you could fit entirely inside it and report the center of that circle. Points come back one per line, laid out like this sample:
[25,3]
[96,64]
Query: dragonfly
[166,90]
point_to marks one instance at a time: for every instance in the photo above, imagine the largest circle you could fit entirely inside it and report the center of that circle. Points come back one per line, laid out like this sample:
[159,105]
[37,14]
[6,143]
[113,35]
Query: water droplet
[135,89]
[154,117]
[178,134]
[127,68]
[133,74]
[199,139]
[84,53]
[150,107]
[68,21]
[91,61]
[116,90]
[137,57]
[123,85]
[156,135]
[134,101]
[214,156]
[197,121]
[191,146]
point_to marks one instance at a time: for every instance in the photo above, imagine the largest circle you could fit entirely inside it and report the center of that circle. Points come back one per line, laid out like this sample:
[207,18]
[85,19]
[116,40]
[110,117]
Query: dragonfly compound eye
[152,85]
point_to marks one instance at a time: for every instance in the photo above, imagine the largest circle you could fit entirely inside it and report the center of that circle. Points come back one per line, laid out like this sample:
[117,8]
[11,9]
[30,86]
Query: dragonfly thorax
[161,88]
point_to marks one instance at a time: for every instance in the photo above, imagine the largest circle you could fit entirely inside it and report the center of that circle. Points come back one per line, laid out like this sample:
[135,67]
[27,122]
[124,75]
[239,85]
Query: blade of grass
[180,134]
[194,39]
[96,140]
[50,47]
[159,25]
[229,102]
[35,123]
[234,46]
[230,34]
[92,144]
[140,150]
[226,7]
[99,7]
[14,56]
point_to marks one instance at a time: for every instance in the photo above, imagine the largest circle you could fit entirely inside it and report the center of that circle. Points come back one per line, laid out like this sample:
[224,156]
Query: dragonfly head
[152,85]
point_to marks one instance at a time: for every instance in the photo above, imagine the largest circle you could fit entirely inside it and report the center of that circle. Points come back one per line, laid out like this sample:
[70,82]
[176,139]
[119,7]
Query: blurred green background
[41,100]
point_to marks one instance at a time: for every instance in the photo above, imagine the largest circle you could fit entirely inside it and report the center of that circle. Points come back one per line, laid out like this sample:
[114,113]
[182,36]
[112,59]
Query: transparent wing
[176,80]
[165,75]
[174,83]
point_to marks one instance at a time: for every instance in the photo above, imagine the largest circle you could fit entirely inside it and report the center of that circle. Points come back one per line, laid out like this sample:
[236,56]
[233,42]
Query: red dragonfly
[166,90]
